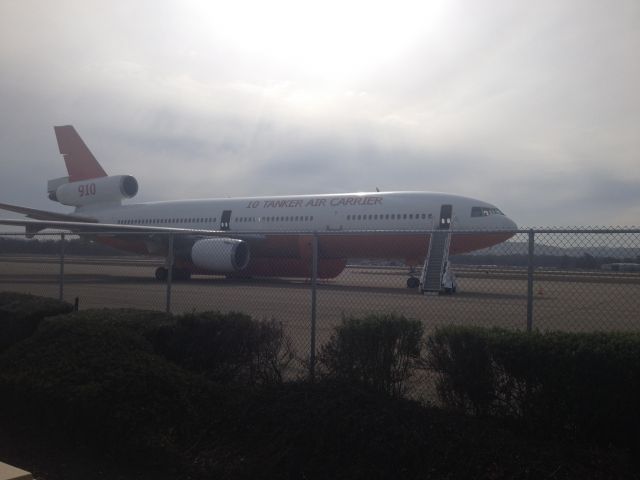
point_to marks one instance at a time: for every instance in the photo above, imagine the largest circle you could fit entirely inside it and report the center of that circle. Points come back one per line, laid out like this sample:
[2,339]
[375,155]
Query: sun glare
[331,39]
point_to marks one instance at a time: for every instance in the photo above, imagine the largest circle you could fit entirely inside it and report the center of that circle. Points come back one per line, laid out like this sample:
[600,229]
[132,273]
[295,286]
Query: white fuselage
[392,211]
[390,225]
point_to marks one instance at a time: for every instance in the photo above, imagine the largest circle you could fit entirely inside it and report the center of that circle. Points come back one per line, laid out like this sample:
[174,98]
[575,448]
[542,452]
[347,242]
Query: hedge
[573,385]
[226,347]
[102,378]
[378,351]
[94,376]
[21,313]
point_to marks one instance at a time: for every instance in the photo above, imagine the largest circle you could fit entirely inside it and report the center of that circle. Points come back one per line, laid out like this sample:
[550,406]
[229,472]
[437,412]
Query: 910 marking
[87,190]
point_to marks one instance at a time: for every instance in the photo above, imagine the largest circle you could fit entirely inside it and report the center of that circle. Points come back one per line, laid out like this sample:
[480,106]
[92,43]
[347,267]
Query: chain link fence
[572,280]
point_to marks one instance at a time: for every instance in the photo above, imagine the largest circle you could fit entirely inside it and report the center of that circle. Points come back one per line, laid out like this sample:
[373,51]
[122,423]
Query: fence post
[530,281]
[314,282]
[61,281]
[169,272]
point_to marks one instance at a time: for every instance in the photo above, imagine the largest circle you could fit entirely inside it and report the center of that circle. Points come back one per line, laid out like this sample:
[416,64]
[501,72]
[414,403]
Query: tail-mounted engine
[96,190]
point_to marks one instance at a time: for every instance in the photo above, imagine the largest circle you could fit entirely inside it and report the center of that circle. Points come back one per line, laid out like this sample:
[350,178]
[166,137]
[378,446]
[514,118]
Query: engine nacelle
[96,190]
[220,254]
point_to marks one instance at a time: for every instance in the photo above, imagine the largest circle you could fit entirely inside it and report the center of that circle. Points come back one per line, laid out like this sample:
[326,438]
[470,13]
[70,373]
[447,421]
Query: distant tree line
[585,261]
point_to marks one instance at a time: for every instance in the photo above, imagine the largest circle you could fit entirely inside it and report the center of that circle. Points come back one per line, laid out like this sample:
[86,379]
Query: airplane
[267,236]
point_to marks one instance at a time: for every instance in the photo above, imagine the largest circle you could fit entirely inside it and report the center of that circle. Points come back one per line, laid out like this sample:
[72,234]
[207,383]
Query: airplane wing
[45,215]
[88,227]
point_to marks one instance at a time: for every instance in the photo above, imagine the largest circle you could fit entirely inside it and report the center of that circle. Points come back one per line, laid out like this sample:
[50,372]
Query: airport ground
[489,296]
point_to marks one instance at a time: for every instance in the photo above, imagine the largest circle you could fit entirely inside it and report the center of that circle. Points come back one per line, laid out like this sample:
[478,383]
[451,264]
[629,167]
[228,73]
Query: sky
[531,106]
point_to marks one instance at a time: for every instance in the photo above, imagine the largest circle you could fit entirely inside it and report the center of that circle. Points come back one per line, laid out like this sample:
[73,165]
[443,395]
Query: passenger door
[446,213]
[225,220]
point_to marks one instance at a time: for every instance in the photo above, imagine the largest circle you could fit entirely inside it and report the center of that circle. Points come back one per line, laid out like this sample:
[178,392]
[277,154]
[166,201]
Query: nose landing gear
[413,281]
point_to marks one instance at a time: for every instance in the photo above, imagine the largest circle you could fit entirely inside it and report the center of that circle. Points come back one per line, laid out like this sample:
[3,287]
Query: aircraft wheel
[162,274]
[413,282]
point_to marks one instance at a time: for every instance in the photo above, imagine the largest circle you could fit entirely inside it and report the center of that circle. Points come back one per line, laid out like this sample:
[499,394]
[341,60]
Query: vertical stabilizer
[81,164]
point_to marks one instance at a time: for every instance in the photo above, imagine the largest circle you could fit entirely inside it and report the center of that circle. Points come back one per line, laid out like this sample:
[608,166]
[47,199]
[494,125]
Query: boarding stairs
[434,264]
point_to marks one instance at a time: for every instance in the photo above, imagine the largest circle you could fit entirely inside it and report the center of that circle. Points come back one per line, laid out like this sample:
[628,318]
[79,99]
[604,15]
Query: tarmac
[572,301]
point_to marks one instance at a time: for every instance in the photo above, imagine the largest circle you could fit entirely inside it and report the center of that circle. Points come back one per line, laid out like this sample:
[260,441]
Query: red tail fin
[81,164]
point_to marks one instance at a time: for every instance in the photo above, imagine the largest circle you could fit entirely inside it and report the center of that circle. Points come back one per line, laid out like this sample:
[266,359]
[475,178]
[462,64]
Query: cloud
[533,107]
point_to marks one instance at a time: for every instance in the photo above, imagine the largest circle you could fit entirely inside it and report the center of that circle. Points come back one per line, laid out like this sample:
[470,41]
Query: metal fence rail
[547,279]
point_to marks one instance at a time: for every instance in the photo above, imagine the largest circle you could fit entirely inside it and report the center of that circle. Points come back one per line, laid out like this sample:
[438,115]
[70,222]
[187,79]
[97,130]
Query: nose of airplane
[509,224]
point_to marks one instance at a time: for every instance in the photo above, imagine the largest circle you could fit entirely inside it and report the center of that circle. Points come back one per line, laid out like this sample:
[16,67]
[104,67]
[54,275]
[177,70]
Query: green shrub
[96,379]
[20,315]
[574,385]
[462,359]
[227,348]
[582,385]
[378,351]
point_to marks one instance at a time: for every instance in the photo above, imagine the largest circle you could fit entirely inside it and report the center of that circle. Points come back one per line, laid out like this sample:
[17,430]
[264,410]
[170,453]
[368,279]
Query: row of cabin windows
[300,218]
[389,216]
[164,221]
[297,218]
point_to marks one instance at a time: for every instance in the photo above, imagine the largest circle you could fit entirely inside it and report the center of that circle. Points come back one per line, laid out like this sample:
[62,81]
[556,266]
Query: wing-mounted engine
[224,255]
[111,189]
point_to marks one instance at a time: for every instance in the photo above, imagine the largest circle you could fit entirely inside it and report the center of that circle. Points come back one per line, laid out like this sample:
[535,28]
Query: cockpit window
[485,211]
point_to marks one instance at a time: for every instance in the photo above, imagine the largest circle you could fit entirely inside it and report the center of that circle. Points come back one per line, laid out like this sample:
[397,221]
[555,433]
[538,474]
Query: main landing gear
[413,282]
[162,274]
[178,274]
